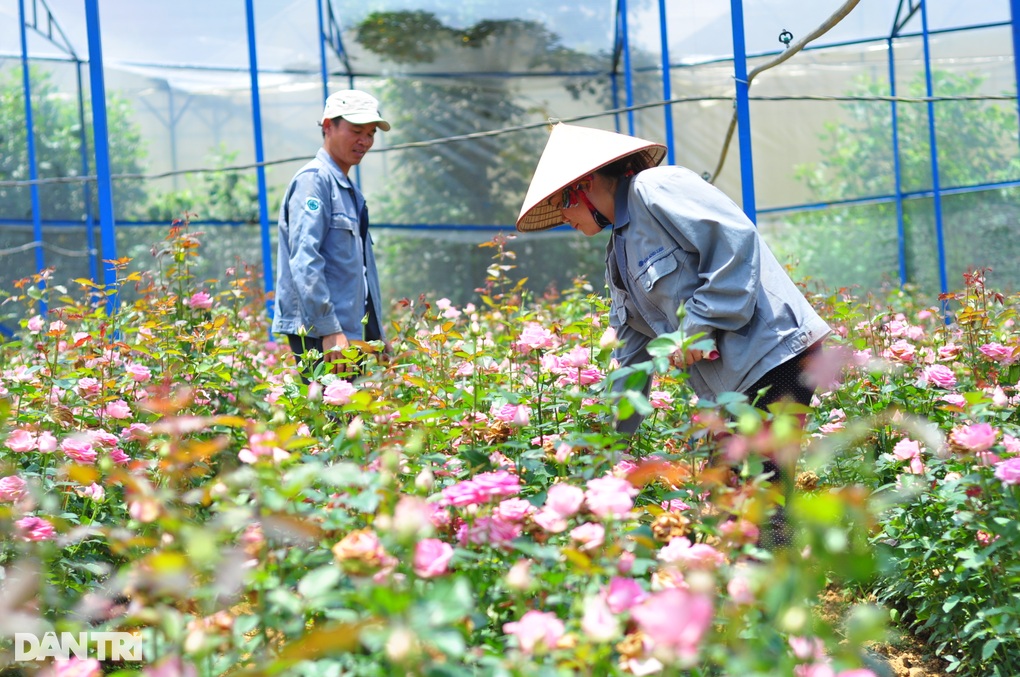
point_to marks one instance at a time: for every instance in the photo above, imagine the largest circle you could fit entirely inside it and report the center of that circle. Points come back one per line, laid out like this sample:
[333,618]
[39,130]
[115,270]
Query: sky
[214,32]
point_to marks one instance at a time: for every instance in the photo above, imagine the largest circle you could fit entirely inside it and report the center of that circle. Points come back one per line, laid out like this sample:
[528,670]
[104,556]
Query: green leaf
[319,581]
[988,650]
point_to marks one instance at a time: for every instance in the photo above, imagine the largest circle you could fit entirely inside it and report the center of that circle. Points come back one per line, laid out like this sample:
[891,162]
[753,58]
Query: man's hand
[332,344]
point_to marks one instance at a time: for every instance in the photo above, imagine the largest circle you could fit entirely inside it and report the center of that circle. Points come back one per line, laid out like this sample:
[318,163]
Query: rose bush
[460,503]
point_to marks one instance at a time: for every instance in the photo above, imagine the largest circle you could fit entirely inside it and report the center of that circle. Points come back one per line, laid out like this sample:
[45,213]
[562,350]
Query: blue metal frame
[101,139]
[90,235]
[256,109]
[934,151]
[743,111]
[897,170]
[1014,14]
[33,166]
[329,33]
[667,88]
[628,73]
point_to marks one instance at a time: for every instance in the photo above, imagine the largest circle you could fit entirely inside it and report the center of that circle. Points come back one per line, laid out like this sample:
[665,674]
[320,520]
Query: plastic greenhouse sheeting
[475,67]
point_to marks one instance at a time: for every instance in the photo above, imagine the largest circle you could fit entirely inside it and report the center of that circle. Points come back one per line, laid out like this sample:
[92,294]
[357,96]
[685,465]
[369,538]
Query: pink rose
[514,414]
[535,337]
[623,593]
[12,488]
[79,449]
[577,357]
[118,409]
[660,399]
[680,551]
[536,630]
[909,450]
[610,496]
[35,529]
[590,535]
[598,621]
[514,509]
[948,352]
[550,521]
[432,557]
[939,375]
[338,392]
[21,440]
[35,324]
[200,300]
[139,373]
[74,667]
[88,386]
[900,351]
[1008,471]
[975,437]
[675,620]
[92,491]
[564,499]
[998,352]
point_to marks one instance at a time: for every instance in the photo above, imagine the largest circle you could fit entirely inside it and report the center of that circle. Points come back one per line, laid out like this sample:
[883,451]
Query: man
[327,289]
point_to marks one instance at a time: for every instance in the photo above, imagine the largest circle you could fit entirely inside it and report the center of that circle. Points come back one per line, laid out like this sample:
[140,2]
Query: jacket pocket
[342,221]
[341,247]
[656,270]
[660,284]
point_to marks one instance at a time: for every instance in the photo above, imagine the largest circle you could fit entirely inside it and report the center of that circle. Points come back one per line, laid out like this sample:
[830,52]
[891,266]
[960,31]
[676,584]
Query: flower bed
[461,504]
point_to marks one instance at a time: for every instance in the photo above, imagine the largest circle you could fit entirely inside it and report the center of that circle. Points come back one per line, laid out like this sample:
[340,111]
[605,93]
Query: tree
[475,181]
[58,138]
[858,245]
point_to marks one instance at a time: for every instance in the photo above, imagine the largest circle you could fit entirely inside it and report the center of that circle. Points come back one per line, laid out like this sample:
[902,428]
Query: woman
[675,241]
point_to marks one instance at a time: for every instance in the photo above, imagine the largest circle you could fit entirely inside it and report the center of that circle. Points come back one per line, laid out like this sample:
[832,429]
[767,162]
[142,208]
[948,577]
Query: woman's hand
[685,358]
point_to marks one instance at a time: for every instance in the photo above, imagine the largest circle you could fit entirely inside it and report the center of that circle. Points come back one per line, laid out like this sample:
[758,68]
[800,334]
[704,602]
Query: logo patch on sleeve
[312,204]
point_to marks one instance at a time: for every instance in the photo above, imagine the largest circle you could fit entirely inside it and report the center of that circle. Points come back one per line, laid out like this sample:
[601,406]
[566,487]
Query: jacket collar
[621,218]
[323,156]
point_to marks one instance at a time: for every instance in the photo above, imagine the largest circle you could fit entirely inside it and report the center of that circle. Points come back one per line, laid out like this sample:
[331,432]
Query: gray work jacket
[326,266]
[685,242]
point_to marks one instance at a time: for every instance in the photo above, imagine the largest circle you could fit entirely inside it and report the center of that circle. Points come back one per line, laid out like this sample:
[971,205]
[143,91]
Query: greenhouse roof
[199,45]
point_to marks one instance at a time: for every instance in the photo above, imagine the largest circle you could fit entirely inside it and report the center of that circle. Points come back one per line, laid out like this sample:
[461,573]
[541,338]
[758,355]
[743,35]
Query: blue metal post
[1014,13]
[628,75]
[743,110]
[322,52]
[101,139]
[897,170]
[934,150]
[256,110]
[667,89]
[33,171]
[86,194]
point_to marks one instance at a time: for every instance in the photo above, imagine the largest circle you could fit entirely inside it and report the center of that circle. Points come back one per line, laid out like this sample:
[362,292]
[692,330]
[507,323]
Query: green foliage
[478,181]
[946,534]
[58,137]
[858,244]
[192,487]
[223,195]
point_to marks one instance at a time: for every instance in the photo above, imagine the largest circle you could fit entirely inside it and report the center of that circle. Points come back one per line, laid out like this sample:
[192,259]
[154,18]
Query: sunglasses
[573,195]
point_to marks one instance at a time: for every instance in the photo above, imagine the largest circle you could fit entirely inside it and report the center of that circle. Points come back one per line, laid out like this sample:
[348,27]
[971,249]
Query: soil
[903,655]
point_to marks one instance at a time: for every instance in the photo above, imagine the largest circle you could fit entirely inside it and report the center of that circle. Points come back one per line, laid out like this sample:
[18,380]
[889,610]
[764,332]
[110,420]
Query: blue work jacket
[326,269]
[678,240]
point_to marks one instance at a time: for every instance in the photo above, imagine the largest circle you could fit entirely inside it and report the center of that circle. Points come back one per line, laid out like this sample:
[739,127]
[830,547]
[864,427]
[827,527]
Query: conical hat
[571,153]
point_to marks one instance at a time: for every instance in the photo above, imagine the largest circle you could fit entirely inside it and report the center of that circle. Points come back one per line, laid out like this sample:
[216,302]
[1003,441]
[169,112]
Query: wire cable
[49,247]
[836,17]
[524,127]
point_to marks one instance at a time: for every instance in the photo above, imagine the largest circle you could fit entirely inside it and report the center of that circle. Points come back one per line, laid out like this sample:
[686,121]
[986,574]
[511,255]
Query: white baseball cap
[355,106]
